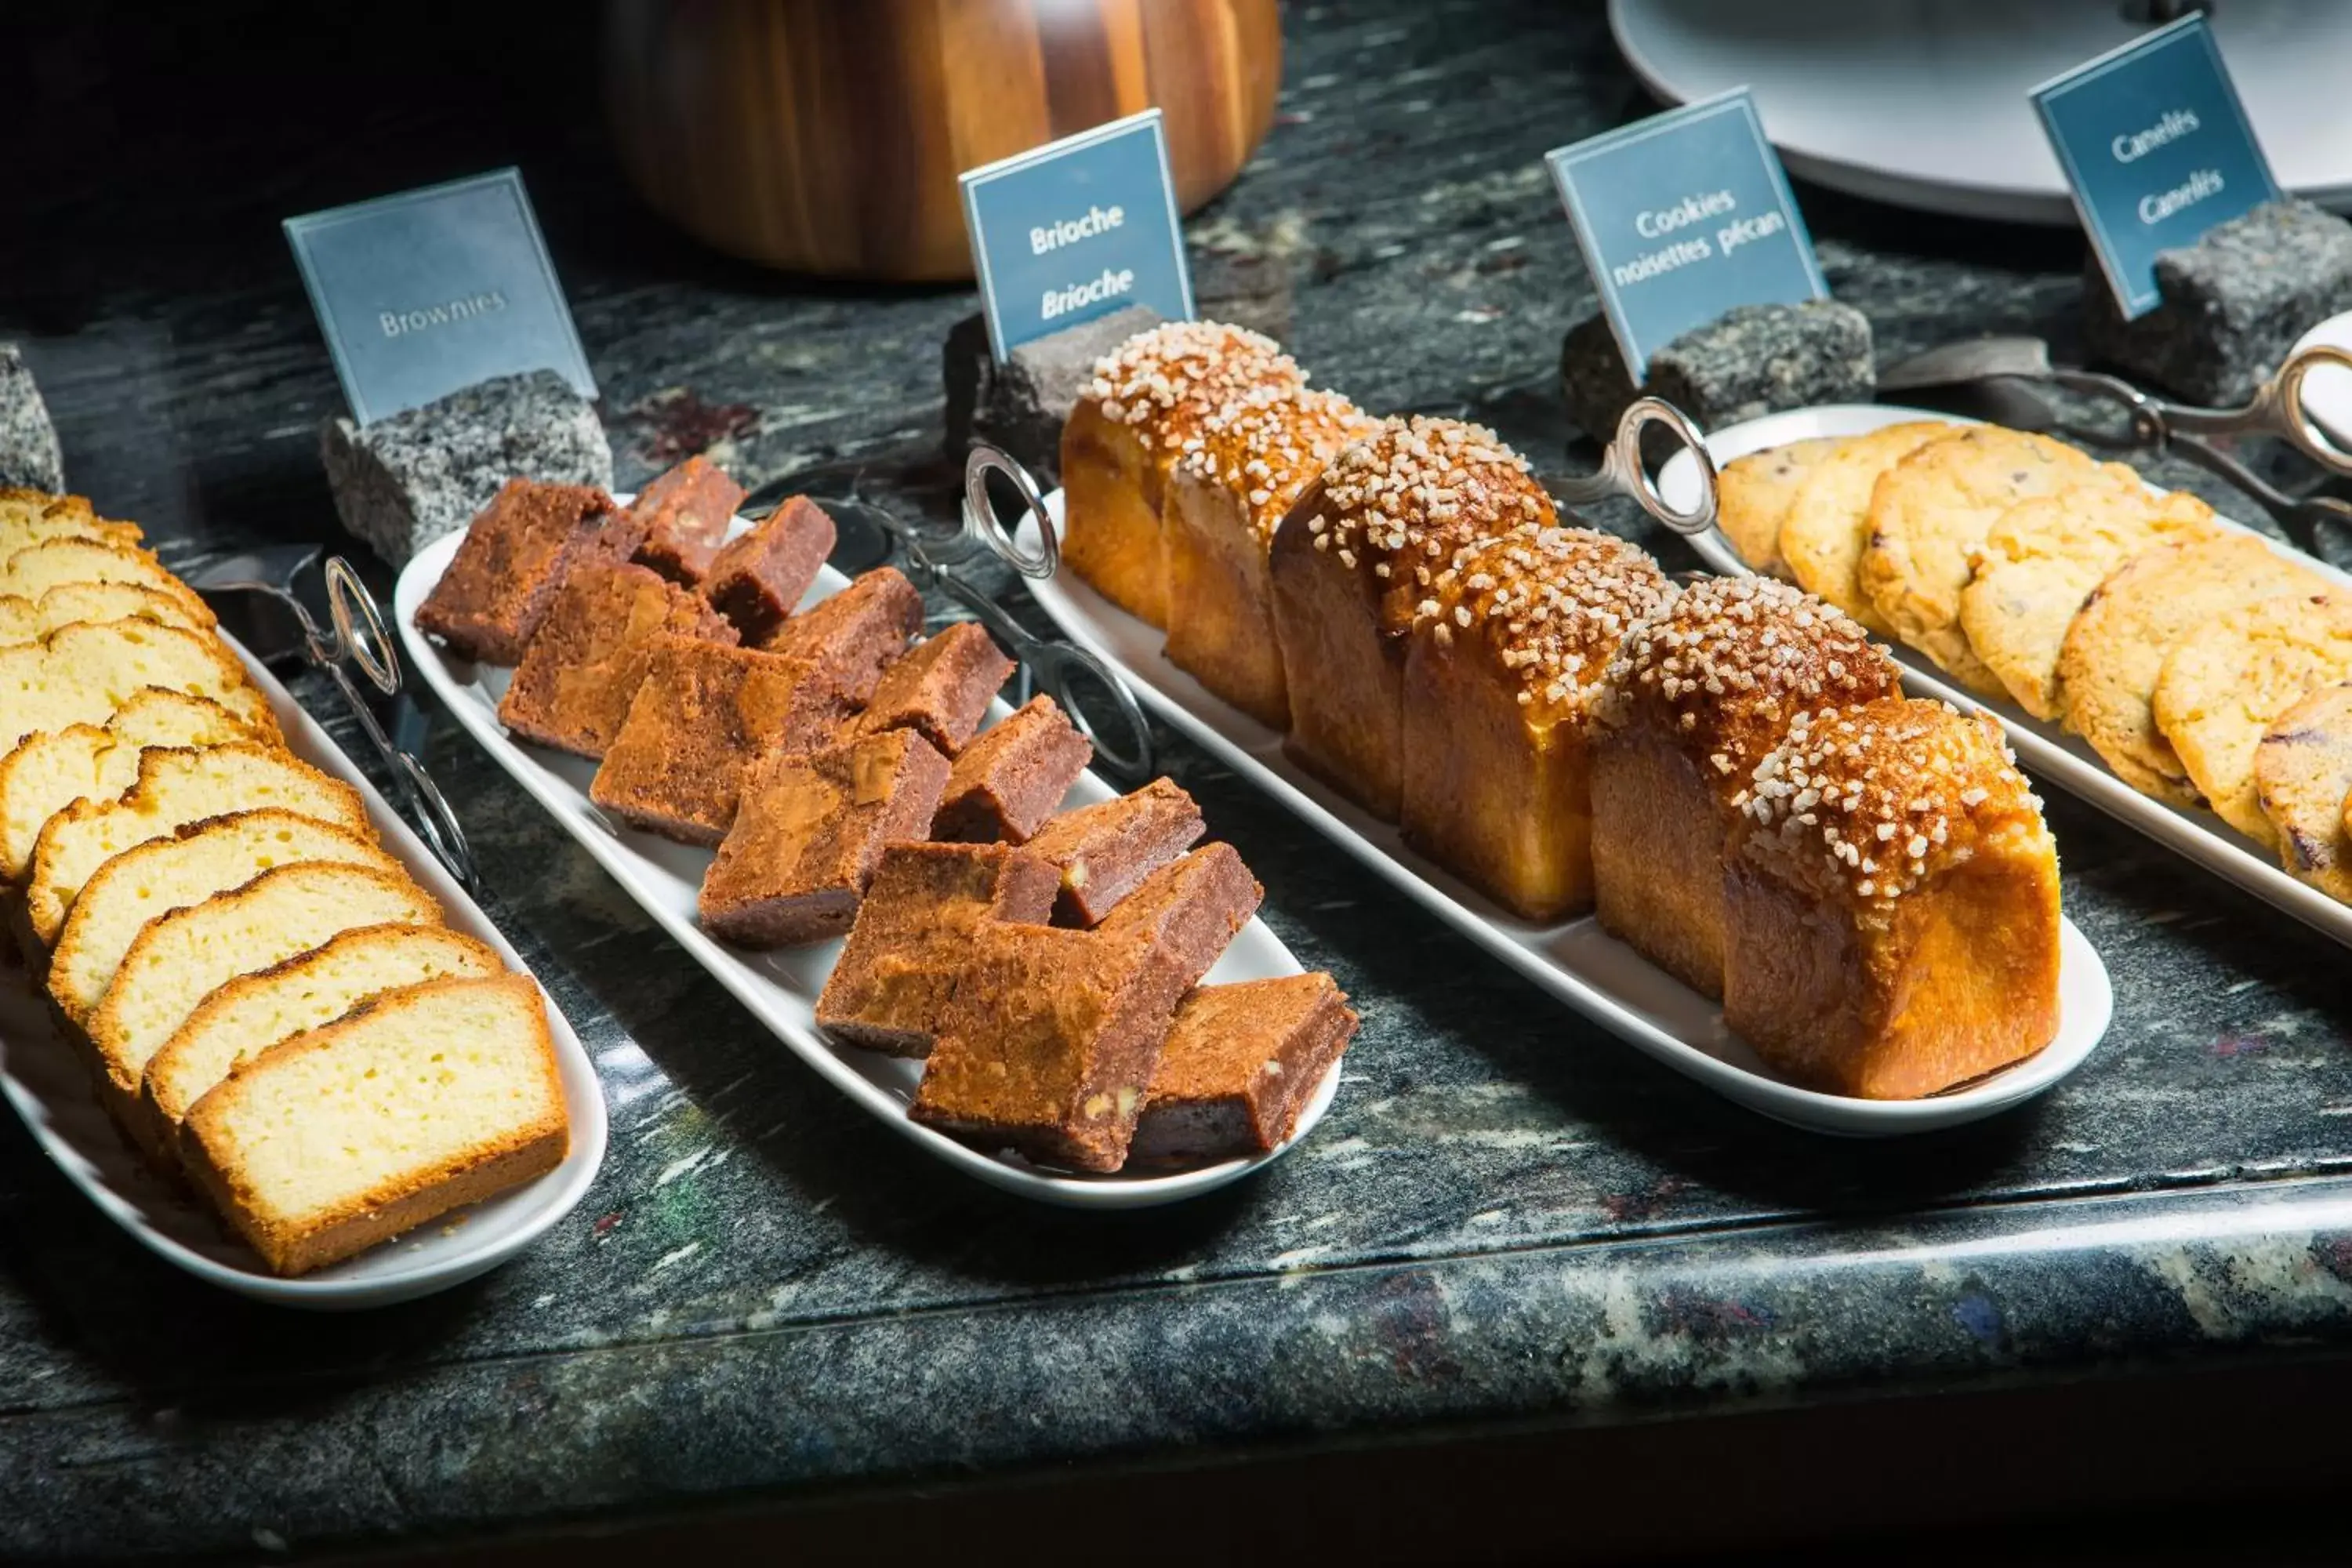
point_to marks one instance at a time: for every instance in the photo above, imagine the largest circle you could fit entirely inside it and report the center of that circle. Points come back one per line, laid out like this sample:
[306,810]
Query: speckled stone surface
[1021,404]
[2234,303]
[403,482]
[1507,1218]
[28,442]
[1752,360]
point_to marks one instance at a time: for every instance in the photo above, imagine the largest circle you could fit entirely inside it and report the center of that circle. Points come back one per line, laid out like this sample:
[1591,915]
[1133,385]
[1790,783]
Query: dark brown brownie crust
[1013,776]
[1104,850]
[572,689]
[941,687]
[506,571]
[857,633]
[701,713]
[684,515]
[1239,1064]
[809,831]
[758,581]
[913,936]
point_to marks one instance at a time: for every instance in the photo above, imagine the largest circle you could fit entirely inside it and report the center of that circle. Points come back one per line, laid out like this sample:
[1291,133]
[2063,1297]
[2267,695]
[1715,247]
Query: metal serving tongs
[1092,693]
[1623,473]
[2276,410]
[355,637]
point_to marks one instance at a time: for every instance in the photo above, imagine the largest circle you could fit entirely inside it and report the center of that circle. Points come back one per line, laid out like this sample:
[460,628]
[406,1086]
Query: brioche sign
[2157,149]
[430,290]
[1075,229]
[1683,216]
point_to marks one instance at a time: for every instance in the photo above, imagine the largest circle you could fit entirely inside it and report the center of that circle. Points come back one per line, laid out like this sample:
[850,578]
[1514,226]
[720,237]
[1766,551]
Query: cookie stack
[2205,668]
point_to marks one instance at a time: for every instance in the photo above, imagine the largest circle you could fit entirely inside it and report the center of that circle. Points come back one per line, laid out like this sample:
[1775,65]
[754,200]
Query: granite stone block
[2234,303]
[1020,404]
[28,442]
[403,482]
[1754,360]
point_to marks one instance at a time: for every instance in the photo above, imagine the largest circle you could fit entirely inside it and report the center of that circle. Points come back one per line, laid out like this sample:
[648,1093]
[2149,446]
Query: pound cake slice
[80,674]
[177,785]
[184,957]
[52,769]
[145,883]
[254,1012]
[25,620]
[432,1097]
[29,517]
[38,568]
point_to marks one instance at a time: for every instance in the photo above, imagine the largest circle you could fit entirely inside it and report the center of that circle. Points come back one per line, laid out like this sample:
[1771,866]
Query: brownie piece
[913,935]
[942,688]
[1052,1036]
[1008,781]
[504,576]
[758,581]
[584,663]
[855,633]
[1103,850]
[684,514]
[810,830]
[1239,1064]
[702,713]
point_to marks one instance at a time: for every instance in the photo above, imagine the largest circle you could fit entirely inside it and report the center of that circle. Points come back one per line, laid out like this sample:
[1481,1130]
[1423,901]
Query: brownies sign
[430,290]
[1075,229]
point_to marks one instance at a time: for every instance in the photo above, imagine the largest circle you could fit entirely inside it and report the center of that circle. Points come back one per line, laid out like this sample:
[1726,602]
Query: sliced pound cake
[249,1015]
[35,570]
[29,517]
[177,785]
[432,1097]
[184,957]
[30,620]
[80,674]
[203,858]
[50,771]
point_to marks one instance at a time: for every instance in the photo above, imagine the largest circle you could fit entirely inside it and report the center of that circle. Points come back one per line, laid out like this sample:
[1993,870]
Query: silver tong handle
[1623,472]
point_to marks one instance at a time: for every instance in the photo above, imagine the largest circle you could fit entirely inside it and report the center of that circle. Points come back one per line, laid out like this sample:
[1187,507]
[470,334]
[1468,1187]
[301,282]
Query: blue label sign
[2156,150]
[1075,229]
[1683,216]
[422,293]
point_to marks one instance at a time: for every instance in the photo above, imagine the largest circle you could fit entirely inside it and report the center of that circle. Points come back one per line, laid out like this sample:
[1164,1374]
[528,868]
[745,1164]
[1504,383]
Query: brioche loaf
[1891,904]
[80,674]
[1352,563]
[1697,698]
[177,785]
[52,769]
[178,961]
[1145,404]
[254,1012]
[432,1097]
[54,563]
[1507,656]
[152,879]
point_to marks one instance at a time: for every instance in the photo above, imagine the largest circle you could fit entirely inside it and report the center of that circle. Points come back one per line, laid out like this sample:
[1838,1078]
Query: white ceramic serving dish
[781,988]
[2047,749]
[48,1081]
[1575,959]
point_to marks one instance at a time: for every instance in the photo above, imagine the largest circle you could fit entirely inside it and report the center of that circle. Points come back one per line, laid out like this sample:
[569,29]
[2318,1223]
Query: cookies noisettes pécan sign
[1074,229]
[2156,150]
[1683,216]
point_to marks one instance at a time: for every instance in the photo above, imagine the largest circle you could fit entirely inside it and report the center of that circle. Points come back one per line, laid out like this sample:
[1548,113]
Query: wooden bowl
[825,135]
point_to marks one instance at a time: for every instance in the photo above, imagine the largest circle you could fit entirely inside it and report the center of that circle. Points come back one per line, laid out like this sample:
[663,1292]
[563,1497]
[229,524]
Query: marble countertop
[1508,1217]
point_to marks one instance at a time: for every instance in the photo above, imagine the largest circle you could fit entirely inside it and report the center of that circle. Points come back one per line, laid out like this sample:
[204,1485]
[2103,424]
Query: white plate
[2327,391]
[2064,760]
[48,1082]
[1575,960]
[781,988]
[1924,103]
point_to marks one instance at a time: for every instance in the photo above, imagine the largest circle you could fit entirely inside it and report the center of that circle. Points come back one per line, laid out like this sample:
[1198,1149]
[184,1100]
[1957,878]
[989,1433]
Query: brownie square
[1239,1064]
[1105,849]
[913,936]
[942,688]
[505,572]
[809,831]
[1007,781]
[702,713]
[1051,1037]
[757,582]
[684,515]
[584,663]
[853,635]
